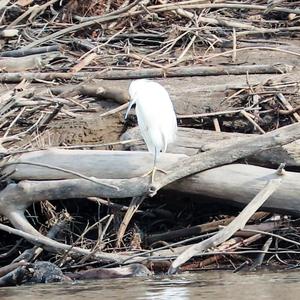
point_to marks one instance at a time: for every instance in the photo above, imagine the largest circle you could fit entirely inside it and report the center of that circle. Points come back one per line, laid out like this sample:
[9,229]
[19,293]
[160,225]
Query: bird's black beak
[131,103]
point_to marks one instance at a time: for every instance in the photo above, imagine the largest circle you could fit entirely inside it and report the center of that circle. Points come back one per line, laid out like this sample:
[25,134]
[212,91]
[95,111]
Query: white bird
[156,116]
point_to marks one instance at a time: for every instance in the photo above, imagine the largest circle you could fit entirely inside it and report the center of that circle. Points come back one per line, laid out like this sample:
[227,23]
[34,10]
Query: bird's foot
[152,172]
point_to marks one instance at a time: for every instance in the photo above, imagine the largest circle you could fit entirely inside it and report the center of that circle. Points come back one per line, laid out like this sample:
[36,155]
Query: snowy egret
[155,115]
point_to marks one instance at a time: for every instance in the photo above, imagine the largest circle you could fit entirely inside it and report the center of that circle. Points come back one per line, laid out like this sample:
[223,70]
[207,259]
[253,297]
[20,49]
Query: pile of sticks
[65,71]
[162,38]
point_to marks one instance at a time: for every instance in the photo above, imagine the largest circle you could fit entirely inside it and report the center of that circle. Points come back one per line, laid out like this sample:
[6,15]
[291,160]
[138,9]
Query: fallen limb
[187,5]
[17,64]
[191,141]
[236,183]
[101,164]
[150,73]
[39,50]
[9,268]
[238,223]
[39,239]
[228,154]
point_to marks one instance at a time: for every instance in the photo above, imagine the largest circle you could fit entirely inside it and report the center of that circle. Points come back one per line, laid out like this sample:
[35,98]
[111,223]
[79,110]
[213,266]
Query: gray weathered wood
[151,73]
[192,141]
[236,183]
[238,223]
[93,163]
[14,198]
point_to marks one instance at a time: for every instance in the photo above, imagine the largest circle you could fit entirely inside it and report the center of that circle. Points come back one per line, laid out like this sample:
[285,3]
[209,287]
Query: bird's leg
[154,169]
[153,174]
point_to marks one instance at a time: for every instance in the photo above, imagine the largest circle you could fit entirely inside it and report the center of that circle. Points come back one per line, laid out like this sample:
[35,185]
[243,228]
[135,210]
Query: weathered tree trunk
[191,141]
[236,183]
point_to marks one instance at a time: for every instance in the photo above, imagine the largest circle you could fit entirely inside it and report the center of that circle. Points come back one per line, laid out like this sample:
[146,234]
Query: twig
[288,112]
[285,102]
[190,5]
[273,235]
[62,170]
[268,30]
[69,147]
[180,58]
[191,231]
[97,48]
[233,45]
[102,19]
[99,145]
[13,122]
[133,207]
[116,206]
[213,114]
[216,124]
[260,258]
[247,116]
[57,247]
[22,17]
[97,246]
[20,52]
[250,48]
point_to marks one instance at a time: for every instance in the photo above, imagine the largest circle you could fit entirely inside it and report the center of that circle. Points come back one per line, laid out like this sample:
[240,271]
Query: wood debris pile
[68,186]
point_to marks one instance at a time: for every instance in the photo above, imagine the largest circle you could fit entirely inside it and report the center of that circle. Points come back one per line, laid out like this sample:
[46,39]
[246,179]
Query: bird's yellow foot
[152,172]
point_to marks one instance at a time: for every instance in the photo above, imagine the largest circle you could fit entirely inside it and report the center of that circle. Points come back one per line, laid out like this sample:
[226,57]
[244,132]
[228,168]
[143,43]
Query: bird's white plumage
[155,114]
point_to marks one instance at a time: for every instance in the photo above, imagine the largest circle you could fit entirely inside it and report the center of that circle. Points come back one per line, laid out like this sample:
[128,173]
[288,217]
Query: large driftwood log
[192,141]
[14,198]
[237,183]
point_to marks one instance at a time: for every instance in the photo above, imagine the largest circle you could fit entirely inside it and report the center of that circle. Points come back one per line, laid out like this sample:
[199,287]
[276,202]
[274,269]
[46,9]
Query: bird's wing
[147,128]
[156,116]
[165,114]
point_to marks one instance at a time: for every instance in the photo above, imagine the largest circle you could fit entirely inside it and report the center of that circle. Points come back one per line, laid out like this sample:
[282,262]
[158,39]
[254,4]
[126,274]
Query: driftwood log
[150,73]
[21,64]
[237,182]
[66,174]
[192,141]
